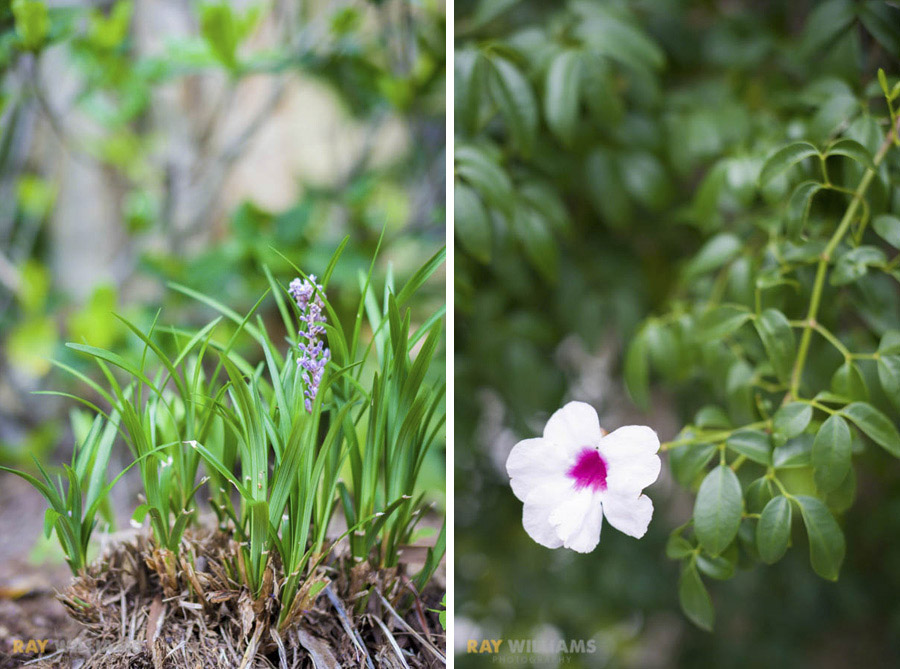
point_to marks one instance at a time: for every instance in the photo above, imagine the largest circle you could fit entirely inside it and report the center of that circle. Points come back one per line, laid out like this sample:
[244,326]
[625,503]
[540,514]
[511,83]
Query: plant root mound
[141,607]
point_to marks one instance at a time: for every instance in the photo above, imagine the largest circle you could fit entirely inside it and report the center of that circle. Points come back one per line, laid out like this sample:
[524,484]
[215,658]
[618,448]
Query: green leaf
[694,598]
[717,510]
[488,10]
[608,34]
[759,492]
[778,340]
[541,248]
[716,252]
[30,345]
[599,90]
[831,453]
[798,207]
[689,460]
[791,419]
[888,228]
[753,444]
[826,541]
[637,371]
[717,567]
[484,175]
[853,150]
[711,416]
[795,453]
[774,529]
[219,27]
[515,101]
[882,81]
[678,547]
[470,69]
[606,189]
[561,95]
[785,158]
[32,22]
[854,264]
[882,20]
[471,224]
[875,425]
[848,382]
[889,373]
[720,322]
[825,24]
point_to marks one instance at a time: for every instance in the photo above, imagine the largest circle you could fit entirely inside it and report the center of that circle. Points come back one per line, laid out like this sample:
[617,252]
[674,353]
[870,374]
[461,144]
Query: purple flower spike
[313,353]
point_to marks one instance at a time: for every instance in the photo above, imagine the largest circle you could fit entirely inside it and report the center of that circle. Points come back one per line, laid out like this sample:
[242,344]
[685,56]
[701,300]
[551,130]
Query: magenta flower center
[589,470]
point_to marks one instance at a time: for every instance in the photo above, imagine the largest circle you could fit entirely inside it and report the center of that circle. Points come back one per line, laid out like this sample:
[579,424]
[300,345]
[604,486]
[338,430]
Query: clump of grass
[276,452]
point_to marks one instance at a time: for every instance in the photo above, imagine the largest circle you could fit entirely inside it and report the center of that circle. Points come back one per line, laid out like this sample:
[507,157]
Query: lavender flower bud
[314,356]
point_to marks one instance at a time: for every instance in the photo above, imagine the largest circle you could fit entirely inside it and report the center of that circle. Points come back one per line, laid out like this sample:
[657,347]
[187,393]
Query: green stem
[822,270]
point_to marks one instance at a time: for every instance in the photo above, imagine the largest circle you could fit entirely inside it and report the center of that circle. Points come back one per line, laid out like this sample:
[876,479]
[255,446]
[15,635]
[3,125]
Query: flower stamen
[589,470]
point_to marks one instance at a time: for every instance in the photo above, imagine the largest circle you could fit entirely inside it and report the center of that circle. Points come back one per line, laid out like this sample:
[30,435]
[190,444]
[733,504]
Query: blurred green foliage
[612,182]
[379,63]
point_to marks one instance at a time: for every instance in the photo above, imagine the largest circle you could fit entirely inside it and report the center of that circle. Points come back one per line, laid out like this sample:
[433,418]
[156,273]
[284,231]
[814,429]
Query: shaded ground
[29,609]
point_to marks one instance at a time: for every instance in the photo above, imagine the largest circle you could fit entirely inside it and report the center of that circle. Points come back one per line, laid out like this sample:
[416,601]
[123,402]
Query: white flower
[577,473]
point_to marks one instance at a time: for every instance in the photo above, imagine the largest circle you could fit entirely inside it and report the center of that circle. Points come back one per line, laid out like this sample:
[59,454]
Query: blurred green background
[192,142]
[572,224]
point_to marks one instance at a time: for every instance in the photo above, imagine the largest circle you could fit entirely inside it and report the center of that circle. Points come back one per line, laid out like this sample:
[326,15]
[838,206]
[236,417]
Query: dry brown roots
[140,607]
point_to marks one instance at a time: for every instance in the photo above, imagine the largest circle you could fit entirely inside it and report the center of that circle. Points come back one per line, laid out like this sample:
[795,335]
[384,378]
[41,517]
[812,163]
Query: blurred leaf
[798,207]
[561,95]
[515,101]
[36,196]
[694,598]
[610,35]
[95,323]
[784,159]
[32,22]
[888,228]
[606,190]
[722,321]
[34,287]
[853,150]
[637,372]
[825,24]
[220,29]
[718,251]
[486,176]
[778,339]
[471,224]
[882,20]
[31,344]
[541,249]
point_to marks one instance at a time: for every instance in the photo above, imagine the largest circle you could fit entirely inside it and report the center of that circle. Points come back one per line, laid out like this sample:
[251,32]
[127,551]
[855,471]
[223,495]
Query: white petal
[631,460]
[535,462]
[574,426]
[539,505]
[578,521]
[628,515]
